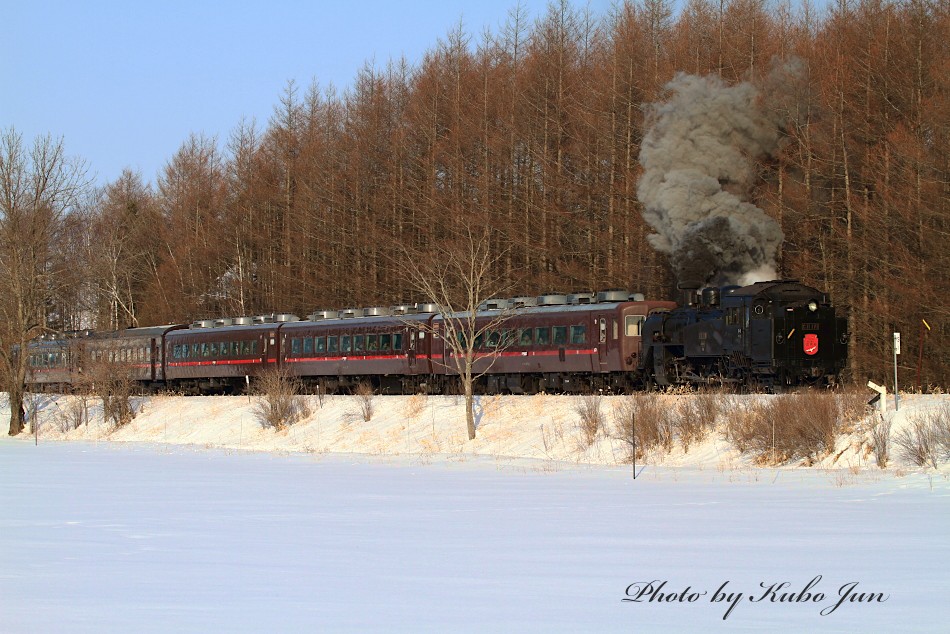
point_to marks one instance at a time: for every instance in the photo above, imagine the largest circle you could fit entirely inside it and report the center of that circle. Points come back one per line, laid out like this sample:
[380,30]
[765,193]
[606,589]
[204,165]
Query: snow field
[194,518]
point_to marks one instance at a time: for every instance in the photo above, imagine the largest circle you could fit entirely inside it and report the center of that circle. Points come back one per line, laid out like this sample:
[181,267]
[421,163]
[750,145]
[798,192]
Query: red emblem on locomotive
[810,344]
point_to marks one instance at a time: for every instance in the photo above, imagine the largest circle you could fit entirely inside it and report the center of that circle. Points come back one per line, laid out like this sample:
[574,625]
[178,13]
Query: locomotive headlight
[813,306]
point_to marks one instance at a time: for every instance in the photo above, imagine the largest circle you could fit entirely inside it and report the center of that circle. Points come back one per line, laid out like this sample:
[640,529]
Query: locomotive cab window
[632,325]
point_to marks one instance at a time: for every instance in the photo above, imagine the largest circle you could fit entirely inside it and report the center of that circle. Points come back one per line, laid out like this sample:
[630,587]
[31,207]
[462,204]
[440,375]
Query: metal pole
[897,351]
[633,438]
[920,353]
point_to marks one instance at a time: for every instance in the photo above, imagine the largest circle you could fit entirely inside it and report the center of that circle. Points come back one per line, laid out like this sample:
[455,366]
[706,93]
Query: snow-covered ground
[419,428]
[194,518]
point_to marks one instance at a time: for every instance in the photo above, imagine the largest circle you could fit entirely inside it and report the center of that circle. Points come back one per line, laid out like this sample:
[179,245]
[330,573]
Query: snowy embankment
[542,427]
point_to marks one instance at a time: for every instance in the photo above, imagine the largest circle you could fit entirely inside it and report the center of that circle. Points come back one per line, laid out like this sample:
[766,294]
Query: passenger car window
[560,335]
[542,336]
[578,334]
[633,325]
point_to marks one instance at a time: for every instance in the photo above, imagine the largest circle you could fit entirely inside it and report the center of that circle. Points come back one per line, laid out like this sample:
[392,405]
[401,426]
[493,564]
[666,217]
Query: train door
[411,347]
[271,350]
[601,329]
[153,357]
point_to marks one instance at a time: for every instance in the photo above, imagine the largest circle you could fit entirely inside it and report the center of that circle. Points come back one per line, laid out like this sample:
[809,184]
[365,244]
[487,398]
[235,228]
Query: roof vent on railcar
[203,323]
[282,318]
[552,299]
[427,307]
[376,311]
[612,295]
[349,313]
[581,298]
[494,304]
[264,319]
[320,315]
[242,321]
[636,297]
[227,321]
[403,309]
[523,302]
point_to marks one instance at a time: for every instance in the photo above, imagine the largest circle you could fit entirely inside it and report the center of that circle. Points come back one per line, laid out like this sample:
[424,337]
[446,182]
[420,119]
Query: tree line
[532,133]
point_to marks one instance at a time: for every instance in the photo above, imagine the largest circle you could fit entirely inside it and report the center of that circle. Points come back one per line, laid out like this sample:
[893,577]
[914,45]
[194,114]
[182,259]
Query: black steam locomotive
[769,335]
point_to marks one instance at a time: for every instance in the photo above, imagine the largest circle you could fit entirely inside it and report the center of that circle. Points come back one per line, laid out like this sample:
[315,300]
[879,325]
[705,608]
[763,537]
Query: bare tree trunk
[469,403]
[17,419]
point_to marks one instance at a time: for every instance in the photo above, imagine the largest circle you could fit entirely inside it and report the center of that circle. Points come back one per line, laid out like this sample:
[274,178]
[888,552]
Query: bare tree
[38,186]
[458,274]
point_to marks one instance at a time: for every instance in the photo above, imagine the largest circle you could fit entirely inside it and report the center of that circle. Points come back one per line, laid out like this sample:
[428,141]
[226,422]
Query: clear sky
[125,82]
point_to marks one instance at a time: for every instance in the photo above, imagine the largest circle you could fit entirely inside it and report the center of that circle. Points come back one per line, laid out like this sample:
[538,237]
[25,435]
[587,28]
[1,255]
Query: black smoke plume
[699,157]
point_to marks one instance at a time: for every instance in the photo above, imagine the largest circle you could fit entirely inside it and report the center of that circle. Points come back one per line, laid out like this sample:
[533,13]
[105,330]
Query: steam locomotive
[768,335]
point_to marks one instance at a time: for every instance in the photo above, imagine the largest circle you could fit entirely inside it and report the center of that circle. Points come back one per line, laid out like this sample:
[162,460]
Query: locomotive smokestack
[688,293]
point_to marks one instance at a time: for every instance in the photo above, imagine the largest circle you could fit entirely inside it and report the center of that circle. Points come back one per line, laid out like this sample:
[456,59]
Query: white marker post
[897,351]
[882,399]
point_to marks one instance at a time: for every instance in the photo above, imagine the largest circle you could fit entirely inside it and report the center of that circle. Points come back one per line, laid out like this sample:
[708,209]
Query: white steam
[699,157]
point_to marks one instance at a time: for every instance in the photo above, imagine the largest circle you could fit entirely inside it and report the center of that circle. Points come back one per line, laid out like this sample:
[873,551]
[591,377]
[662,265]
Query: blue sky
[125,83]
